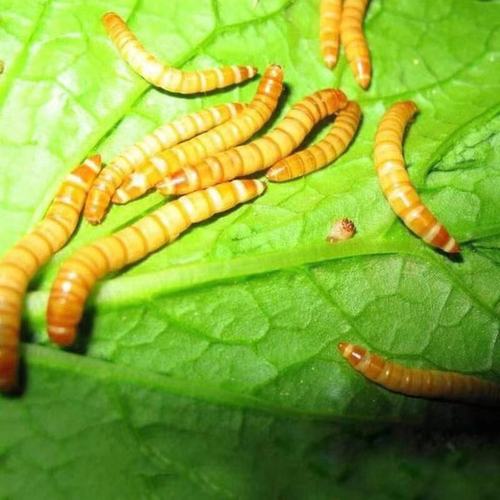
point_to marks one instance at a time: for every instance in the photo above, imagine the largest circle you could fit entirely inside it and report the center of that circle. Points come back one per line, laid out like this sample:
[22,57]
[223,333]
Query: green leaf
[210,369]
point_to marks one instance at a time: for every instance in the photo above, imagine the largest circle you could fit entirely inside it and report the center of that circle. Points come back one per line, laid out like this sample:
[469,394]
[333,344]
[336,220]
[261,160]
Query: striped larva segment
[261,153]
[220,138]
[396,184]
[330,12]
[323,152]
[432,384]
[166,77]
[163,137]
[354,41]
[23,260]
[78,274]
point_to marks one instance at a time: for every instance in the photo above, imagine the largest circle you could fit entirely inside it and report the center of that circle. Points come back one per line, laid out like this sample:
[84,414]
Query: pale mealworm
[432,384]
[396,184]
[166,77]
[341,230]
[354,41]
[220,138]
[77,275]
[330,12]
[323,152]
[163,137]
[23,260]
[261,153]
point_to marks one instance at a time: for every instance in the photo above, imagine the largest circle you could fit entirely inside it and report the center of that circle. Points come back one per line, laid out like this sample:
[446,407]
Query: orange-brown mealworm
[323,152]
[396,184]
[22,261]
[77,275]
[433,384]
[166,136]
[261,153]
[225,136]
[166,77]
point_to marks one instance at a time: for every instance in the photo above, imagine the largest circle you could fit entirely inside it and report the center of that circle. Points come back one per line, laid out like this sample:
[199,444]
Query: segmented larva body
[166,77]
[396,184]
[330,12]
[23,260]
[323,152]
[354,42]
[261,153]
[163,137]
[78,274]
[220,138]
[432,384]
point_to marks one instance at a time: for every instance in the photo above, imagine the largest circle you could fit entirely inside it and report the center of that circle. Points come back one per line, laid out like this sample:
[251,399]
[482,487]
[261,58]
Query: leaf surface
[234,327]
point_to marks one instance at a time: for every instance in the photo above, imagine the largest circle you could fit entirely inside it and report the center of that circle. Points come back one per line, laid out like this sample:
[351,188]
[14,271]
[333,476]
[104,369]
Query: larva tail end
[92,217]
[107,17]
[96,159]
[362,73]
[276,173]
[330,60]
[63,336]
[353,353]
[9,362]
[452,247]
[342,346]
[274,71]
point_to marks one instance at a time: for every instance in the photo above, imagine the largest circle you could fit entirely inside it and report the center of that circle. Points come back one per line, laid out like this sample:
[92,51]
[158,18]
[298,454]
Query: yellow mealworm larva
[354,42]
[330,12]
[166,77]
[432,384]
[341,230]
[22,261]
[78,274]
[396,184]
[164,137]
[261,153]
[223,137]
[323,152]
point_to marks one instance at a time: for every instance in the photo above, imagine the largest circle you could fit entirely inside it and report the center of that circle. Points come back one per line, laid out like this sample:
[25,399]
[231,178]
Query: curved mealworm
[23,260]
[330,12]
[354,41]
[432,384]
[396,184]
[341,230]
[220,138]
[78,274]
[165,77]
[261,153]
[323,152]
[163,137]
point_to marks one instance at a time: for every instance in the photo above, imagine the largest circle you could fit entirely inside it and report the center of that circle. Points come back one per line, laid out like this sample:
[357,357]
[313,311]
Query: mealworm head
[341,230]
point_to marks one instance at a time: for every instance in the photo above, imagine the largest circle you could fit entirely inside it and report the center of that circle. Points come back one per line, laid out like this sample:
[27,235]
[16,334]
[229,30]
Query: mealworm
[223,137]
[396,184]
[354,41]
[166,77]
[322,153]
[164,137]
[23,260]
[261,153]
[341,230]
[432,384]
[330,12]
[78,274]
